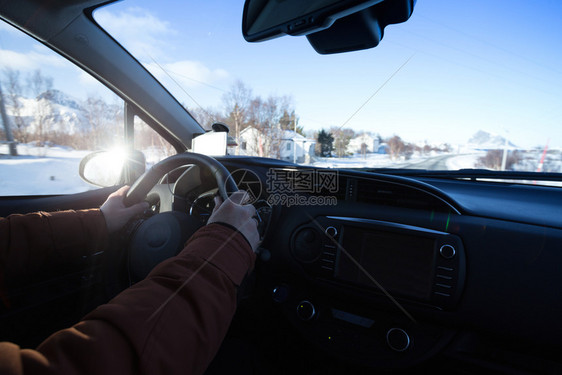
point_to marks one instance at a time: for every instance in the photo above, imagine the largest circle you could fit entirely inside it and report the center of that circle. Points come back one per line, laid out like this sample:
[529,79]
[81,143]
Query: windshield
[459,85]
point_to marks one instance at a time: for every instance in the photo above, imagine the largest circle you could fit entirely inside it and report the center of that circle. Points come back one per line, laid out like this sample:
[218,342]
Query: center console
[368,281]
[406,262]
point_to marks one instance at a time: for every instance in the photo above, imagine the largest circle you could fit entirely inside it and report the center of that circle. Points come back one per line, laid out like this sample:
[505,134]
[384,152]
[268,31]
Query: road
[435,163]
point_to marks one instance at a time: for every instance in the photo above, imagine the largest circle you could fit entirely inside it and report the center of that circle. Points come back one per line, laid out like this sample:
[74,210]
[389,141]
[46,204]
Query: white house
[252,143]
[292,146]
[296,148]
[371,143]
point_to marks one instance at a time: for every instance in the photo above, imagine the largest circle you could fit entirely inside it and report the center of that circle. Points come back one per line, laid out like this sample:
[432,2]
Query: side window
[54,114]
[152,145]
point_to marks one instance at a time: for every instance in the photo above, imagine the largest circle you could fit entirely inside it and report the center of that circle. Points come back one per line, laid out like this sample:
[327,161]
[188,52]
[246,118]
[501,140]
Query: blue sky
[489,65]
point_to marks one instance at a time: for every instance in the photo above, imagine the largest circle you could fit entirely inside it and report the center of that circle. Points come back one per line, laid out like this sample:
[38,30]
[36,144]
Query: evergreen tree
[326,141]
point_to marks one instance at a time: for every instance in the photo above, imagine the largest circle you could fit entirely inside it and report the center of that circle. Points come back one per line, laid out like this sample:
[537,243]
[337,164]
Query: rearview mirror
[353,24]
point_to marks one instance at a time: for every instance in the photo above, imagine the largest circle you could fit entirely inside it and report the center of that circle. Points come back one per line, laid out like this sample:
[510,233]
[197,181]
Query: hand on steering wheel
[163,235]
[241,216]
[115,212]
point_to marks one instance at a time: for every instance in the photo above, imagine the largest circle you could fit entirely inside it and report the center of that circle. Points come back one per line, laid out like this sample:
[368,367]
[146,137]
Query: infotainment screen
[401,263]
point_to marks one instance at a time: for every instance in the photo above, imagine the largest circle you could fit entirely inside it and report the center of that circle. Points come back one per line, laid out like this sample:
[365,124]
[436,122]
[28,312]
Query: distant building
[296,148]
[364,143]
[252,142]
[292,146]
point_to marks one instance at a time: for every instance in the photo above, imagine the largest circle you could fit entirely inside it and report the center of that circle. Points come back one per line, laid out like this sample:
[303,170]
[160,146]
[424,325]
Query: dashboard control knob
[280,293]
[447,251]
[306,310]
[264,254]
[307,245]
[331,232]
[397,339]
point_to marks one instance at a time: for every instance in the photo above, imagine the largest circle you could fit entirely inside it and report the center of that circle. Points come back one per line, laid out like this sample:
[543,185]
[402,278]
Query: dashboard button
[331,232]
[447,251]
[280,293]
[307,245]
[306,310]
[397,339]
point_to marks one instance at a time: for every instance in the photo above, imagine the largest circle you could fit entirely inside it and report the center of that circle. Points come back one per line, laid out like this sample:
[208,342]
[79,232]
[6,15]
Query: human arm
[35,245]
[171,322]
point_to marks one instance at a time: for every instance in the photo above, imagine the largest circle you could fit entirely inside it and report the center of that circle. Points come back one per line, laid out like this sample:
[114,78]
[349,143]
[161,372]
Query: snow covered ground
[384,161]
[370,161]
[47,170]
[50,170]
[54,170]
[464,161]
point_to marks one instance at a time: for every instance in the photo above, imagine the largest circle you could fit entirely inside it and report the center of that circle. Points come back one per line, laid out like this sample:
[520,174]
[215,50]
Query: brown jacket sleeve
[33,243]
[170,323]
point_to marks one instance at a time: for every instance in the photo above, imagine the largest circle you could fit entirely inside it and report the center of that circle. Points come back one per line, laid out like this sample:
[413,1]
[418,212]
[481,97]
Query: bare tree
[268,117]
[7,126]
[395,145]
[265,116]
[259,118]
[146,139]
[13,94]
[206,117]
[341,139]
[237,102]
[493,159]
[103,122]
[40,87]
[408,150]
[364,149]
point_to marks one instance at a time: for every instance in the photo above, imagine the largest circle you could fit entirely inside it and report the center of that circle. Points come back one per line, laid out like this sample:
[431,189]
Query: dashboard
[397,273]
[362,272]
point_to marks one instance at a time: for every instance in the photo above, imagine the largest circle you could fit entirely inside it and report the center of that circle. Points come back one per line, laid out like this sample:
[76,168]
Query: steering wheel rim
[142,186]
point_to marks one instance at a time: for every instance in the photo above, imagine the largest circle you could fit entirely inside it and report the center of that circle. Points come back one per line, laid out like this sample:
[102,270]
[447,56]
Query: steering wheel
[150,178]
[164,234]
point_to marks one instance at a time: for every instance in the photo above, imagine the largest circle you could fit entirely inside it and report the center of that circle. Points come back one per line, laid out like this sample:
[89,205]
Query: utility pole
[504,156]
[5,121]
[236,129]
[295,141]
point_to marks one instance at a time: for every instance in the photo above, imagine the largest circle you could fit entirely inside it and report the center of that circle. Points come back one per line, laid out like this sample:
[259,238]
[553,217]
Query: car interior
[399,271]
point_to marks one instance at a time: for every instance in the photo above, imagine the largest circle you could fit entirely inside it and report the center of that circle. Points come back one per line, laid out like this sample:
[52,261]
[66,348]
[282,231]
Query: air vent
[351,189]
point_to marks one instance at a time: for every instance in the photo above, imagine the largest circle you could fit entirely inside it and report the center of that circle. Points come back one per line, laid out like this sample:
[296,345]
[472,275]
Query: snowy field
[54,170]
[47,170]
[44,171]
[384,161]
[464,161]
[370,161]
